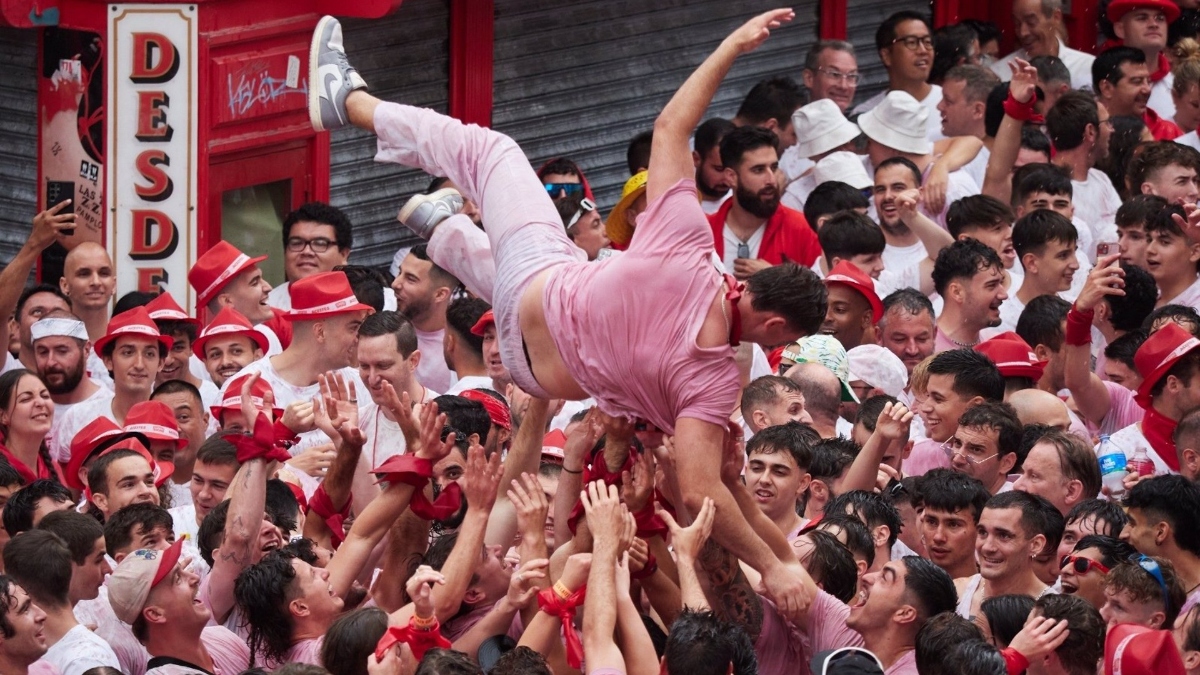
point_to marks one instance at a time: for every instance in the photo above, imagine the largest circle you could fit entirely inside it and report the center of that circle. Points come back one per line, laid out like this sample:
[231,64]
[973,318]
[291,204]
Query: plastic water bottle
[1112,467]
[1141,463]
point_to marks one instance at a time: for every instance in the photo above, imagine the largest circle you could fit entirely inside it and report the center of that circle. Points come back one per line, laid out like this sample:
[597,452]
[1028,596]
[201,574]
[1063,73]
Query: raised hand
[420,589]
[431,446]
[605,512]
[575,572]
[529,500]
[582,439]
[907,203]
[1191,224]
[48,225]
[1023,85]
[1106,279]
[249,410]
[316,460]
[521,586]
[637,484]
[893,422]
[1039,636]
[482,478]
[754,32]
[408,416]
[687,541]
[339,396]
[300,416]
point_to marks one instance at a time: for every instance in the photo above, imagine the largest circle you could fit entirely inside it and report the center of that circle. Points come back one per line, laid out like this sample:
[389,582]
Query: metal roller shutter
[863,18]
[18,138]
[581,81]
[403,58]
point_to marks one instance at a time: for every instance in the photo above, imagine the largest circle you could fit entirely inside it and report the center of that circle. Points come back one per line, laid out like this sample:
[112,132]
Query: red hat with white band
[164,308]
[161,470]
[135,323]
[154,420]
[231,398]
[488,319]
[96,436]
[846,273]
[216,268]
[1012,356]
[322,296]
[1158,354]
[228,323]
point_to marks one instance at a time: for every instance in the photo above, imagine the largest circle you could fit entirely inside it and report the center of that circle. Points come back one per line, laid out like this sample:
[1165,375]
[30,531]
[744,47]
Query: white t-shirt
[977,168]
[1010,312]
[274,346]
[732,243]
[229,653]
[384,437]
[1190,296]
[130,653]
[181,494]
[432,371]
[931,101]
[183,518]
[899,257]
[97,370]
[1078,63]
[798,191]
[80,650]
[712,205]
[470,382]
[78,417]
[1096,202]
[1190,139]
[1160,98]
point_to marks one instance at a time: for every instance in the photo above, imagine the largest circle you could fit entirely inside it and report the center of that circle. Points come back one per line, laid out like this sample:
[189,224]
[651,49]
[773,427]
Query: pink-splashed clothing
[779,646]
[637,358]
[825,629]
[229,654]
[925,457]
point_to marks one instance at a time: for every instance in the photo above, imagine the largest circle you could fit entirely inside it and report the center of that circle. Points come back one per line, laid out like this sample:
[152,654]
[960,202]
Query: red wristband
[647,570]
[1079,327]
[1014,661]
[1022,112]
[260,443]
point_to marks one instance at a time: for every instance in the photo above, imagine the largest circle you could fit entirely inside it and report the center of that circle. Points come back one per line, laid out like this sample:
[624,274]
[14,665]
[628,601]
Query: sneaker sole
[416,202]
[315,86]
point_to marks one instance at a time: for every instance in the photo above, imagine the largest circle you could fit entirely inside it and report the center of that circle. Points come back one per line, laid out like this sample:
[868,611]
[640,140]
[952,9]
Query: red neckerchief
[20,466]
[1164,68]
[735,315]
[1159,431]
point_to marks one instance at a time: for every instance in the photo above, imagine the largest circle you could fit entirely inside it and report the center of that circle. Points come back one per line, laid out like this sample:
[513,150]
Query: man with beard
[60,347]
[970,278]
[753,231]
[1122,81]
[1079,128]
[710,173]
[423,291]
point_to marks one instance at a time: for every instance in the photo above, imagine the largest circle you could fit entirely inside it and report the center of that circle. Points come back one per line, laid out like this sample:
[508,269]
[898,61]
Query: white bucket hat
[878,367]
[899,122]
[820,127]
[846,167]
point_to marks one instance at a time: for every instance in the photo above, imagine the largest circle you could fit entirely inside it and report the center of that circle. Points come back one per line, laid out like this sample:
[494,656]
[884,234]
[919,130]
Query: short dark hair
[910,300]
[351,638]
[951,47]
[461,315]
[1142,587]
[521,660]
[1037,177]
[118,529]
[869,410]
[40,562]
[465,415]
[831,457]
[211,533]
[710,132]
[77,530]
[560,165]
[391,323]
[1051,69]
[974,374]
[699,643]
[176,328]
[793,292]
[9,476]
[764,390]
[950,491]
[1033,138]
[1124,347]
[1113,551]
[830,197]
[774,98]
[323,214]
[1107,66]
[858,537]
[40,288]
[904,162]
[447,662]
[929,586]
[963,260]
[976,211]
[98,473]
[179,387]
[1175,313]
[261,592]
[438,275]
[18,511]
[1006,615]
[736,143]
[282,506]
[637,155]
[132,300]
[1108,512]
[1172,499]
[1155,157]
[977,657]
[1131,309]
[832,566]
[1067,121]
[1139,210]
[850,233]
[1164,221]
[1084,646]
[1032,507]
[999,417]
[367,284]
[1041,322]
[219,450]
[794,437]
[870,507]
[1052,523]
[885,35]
[1035,230]
[938,637]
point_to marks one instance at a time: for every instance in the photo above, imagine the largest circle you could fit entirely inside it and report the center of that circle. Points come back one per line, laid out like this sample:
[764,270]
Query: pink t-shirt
[306,651]
[925,456]
[229,653]
[905,665]
[1123,410]
[826,629]
[626,327]
[778,646]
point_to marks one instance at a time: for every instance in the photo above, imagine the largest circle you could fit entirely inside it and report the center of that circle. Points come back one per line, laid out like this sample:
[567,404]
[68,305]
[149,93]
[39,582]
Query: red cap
[845,272]
[1158,354]
[133,323]
[162,470]
[94,437]
[1012,356]
[231,398]
[554,447]
[155,421]
[228,322]
[1130,649]
[1119,8]
[321,296]
[488,319]
[216,268]
[164,308]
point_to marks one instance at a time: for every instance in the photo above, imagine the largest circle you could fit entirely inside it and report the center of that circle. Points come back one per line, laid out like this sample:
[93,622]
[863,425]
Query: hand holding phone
[58,191]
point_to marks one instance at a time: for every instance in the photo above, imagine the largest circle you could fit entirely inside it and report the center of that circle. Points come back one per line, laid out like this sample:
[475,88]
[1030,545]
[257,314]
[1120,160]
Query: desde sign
[151,161]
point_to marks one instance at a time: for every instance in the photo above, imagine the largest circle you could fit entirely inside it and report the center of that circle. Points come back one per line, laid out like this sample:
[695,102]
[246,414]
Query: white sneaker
[423,213]
[331,78]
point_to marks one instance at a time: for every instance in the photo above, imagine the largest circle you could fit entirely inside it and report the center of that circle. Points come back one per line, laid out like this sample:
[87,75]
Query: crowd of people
[907,387]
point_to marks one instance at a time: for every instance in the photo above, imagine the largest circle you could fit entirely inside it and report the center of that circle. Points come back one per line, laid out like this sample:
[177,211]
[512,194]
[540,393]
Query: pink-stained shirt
[626,327]
[229,653]
[826,629]
[925,456]
[43,668]
[1123,410]
[778,646]
[306,651]
[905,665]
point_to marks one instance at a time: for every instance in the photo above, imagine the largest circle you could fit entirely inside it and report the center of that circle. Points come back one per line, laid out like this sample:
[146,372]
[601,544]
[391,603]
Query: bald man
[1035,406]
[88,280]
[822,397]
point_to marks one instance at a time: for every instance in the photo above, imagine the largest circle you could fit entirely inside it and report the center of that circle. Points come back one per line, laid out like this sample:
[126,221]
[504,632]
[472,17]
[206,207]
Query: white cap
[899,122]
[846,167]
[820,127]
[878,367]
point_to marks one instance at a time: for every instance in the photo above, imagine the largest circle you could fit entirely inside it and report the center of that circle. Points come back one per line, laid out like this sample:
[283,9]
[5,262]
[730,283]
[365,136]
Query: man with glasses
[1037,24]
[905,46]
[1144,591]
[1084,568]
[1008,538]
[831,71]
[1164,521]
[316,238]
[1121,77]
[987,445]
[1142,24]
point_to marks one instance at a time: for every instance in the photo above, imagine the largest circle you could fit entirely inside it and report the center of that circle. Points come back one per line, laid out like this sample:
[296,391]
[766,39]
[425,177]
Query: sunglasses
[1153,569]
[1081,565]
[566,188]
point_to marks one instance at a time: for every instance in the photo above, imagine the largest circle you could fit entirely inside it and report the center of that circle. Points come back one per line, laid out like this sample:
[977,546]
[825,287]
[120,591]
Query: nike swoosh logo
[331,77]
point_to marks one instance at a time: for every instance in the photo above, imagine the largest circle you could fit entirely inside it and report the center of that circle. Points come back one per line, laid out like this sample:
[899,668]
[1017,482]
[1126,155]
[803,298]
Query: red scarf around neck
[1159,431]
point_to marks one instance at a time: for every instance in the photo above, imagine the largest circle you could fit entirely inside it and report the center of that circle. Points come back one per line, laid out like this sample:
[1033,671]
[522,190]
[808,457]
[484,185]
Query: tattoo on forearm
[733,598]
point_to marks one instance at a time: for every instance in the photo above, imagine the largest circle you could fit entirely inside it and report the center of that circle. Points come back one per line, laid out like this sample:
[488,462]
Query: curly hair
[262,592]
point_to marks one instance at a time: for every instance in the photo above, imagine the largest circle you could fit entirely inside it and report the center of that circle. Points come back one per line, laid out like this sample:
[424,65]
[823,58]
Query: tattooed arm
[247,501]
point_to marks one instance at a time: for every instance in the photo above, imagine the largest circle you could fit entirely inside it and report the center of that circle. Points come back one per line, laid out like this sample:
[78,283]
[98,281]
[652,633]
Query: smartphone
[56,192]
[1107,248]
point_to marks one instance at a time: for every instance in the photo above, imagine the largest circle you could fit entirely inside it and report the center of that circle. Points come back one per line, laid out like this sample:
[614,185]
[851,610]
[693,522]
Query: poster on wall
[71,100]
[152,155]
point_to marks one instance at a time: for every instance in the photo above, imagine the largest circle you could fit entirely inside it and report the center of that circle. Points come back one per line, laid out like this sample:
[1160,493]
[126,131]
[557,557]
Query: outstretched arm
[47,227]
[670,157]
[1090,394]
[997,181]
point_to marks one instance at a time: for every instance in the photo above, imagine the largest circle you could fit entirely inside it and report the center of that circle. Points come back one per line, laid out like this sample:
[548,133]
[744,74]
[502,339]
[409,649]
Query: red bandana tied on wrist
[322,505]
[261,444]
[564,609]
[1079,327]
[419,641]
[415,471]
[1022,112]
